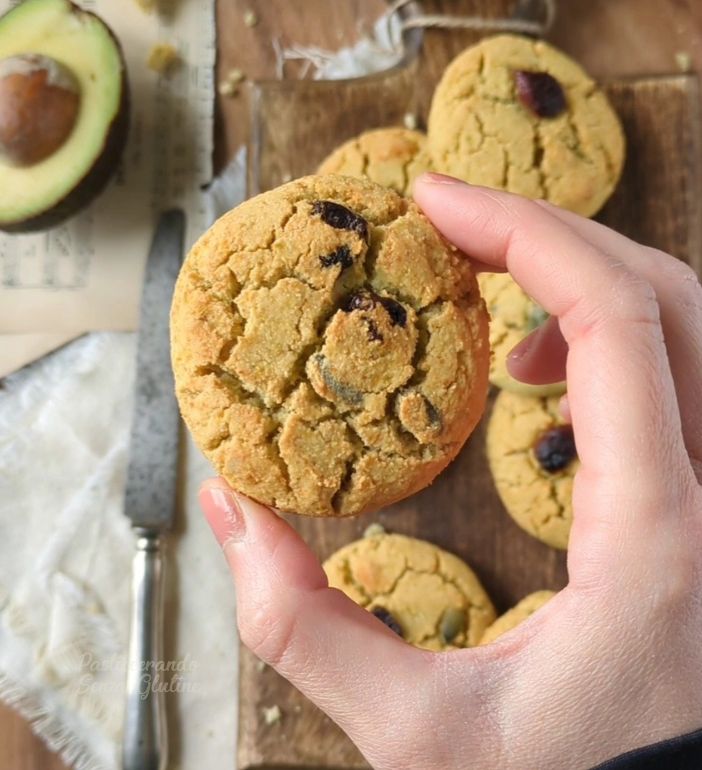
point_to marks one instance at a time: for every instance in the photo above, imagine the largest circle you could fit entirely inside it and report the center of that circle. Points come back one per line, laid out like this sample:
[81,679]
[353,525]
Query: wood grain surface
[627,37]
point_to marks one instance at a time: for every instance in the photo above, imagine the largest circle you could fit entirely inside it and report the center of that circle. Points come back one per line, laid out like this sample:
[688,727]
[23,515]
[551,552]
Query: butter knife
[150,500]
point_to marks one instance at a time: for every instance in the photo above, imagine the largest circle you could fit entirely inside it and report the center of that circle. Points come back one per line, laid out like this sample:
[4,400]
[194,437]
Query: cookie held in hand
[329,347]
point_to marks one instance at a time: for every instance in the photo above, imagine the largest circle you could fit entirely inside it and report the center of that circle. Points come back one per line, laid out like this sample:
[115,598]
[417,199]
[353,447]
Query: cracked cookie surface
[513,315]
[516,615]
[484,129]
[540,501]
[329,347]
[392,157]
[428,596]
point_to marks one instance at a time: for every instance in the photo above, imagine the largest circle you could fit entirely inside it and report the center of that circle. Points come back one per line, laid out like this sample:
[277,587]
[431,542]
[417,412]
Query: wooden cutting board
[295,124]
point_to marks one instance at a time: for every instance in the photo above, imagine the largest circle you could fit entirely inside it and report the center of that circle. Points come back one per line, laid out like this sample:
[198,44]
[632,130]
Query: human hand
[614,661]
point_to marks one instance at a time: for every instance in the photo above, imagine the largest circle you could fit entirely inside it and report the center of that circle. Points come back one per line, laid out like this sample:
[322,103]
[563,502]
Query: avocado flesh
[38,196]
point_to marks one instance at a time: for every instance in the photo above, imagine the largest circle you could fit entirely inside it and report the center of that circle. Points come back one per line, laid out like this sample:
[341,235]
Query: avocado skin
[100,173]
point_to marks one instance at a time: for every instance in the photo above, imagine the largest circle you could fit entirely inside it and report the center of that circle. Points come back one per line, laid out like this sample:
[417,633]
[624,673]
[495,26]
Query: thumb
[340,656]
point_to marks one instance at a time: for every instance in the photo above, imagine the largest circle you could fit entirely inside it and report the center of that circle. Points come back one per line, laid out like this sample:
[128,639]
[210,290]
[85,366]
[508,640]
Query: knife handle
[144,744]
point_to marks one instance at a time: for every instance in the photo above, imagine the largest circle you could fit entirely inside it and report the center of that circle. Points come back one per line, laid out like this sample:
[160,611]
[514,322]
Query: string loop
[478,23]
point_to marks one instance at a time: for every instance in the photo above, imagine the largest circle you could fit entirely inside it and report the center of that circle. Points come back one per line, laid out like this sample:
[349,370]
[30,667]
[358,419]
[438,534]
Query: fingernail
[524,348]
[223,512]
[433,178]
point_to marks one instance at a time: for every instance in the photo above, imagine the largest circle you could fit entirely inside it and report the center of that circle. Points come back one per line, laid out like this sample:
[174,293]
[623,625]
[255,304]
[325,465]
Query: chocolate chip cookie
[329,347]
[517,114]
[519,613]
[533,460]
[513,316]
[426,595]
[392,157]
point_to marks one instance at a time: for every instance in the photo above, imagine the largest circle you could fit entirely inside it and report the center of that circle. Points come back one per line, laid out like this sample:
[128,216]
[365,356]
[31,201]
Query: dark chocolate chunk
[374,334]
[342,256]
[367,300]
[361,300]
[397,313]
[555,448]
[383,615]
[541,93]
[338,216]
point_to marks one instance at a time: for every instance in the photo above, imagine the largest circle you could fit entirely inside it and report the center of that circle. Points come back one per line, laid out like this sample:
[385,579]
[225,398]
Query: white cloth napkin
[66,547]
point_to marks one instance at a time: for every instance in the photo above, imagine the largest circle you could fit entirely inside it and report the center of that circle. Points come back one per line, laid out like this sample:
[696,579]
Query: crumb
[261,666]
[232,80]
[272,715]
[410,121]
[163,57]
[287,177]
[250,18]
[684,61]
[226,88]
[374,529]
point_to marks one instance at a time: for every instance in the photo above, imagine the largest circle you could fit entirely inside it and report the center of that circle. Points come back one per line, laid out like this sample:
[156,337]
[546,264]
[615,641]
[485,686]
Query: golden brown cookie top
[513,316]
[516,615]
[518,114]
[426,595]
[329,348]
[392,157]
[533,460]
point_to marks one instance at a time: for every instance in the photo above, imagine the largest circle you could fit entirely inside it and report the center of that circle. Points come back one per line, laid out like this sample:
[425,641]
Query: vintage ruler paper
[86,274]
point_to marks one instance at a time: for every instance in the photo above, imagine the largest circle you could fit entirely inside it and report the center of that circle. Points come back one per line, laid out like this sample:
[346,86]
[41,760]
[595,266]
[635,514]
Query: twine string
[478,23]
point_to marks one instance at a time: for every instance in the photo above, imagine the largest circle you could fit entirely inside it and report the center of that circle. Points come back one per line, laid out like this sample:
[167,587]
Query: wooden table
[630,37]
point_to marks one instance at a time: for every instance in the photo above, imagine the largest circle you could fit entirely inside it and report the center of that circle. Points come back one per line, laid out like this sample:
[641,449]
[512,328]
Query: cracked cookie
[391,157]
[532,456]
[329,347]
[513,315]
[517,114]
[426,595]
[518,614]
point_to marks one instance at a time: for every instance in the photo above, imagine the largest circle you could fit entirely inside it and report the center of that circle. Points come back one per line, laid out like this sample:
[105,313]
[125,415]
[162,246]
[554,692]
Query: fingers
[540,358]
[335,652]
[621,393]
[679,296]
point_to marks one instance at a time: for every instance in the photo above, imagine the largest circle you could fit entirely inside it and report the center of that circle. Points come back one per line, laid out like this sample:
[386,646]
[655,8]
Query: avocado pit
[39,105]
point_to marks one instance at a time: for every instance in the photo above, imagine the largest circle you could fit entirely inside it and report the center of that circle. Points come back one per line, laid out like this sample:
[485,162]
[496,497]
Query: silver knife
[150,498]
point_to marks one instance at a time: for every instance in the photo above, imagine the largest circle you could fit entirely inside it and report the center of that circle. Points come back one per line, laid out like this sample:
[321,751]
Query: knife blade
[150,499]
[151,476]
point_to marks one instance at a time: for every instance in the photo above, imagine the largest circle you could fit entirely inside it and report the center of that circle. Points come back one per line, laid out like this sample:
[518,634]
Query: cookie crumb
[410,120]
[374,530]
[683,60]
[250,18]
[287,177]
[232,80]
[272,714]
[261,666]
[163,58]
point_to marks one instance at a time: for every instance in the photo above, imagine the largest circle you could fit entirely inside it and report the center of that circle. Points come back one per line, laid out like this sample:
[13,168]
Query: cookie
[330,349]
[532,457]
[519,613]
[426,595]
[513,315]
[517,114]
[391,157]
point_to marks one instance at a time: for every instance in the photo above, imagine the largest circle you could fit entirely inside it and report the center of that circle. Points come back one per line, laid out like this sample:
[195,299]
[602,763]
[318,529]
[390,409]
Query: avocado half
[43,193]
